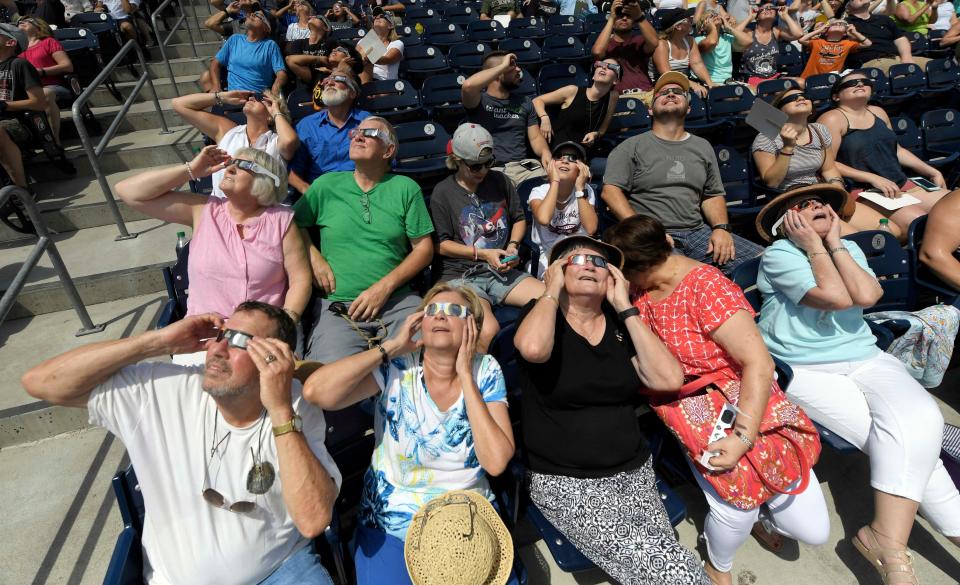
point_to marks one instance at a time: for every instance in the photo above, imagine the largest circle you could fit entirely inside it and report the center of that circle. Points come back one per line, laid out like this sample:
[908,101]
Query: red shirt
[634,61]
[40,55]
[702,302]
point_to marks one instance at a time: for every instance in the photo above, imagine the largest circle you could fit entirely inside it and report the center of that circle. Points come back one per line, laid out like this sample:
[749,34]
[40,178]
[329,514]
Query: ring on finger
[270,358]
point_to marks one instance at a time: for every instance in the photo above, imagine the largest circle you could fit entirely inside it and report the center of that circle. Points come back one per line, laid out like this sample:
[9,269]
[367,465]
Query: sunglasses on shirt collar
[584,259]
[250,166]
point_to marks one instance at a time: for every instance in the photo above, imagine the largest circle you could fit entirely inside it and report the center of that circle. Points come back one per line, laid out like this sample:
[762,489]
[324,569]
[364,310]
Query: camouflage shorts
[17,131]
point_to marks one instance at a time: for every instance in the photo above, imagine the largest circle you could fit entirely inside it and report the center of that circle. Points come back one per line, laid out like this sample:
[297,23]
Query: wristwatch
[294,426]
[579,194]
[723,226]
[627,313]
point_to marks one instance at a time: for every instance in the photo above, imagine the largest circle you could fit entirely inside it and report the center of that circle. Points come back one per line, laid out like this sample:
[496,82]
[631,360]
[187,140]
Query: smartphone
[925,184]
[508,259]
[530,165]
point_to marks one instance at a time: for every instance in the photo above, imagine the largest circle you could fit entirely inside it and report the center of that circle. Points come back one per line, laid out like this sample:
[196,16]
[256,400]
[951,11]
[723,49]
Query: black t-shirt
[305,47]
[579,407]
[881,31]
[544,8]
[16,77]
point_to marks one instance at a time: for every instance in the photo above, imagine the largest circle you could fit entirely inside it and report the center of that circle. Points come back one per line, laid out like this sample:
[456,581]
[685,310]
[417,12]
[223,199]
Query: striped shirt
[806,160]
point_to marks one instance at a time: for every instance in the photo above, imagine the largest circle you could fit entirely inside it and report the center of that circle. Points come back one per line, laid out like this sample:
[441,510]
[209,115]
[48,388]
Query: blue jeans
[693,244]
[301,568]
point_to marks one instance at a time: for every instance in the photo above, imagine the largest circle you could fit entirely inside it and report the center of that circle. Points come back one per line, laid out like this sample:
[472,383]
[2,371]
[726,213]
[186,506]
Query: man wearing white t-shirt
[231,462]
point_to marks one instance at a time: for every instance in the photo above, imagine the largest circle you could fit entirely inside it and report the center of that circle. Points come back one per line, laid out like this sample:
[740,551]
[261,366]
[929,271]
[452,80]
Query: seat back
[350,440]
[423,147]
[881,86]
[443,34]
[698,108]
[766,90]
[84,54]
[818,89]
[300,104]
[790,61]
[565,48]
[564,24]
[528,85]
[629,119]
[735,174]
[594,23]
[527,28]
[943,73]
[443,92]
[527,51]
[468,57]
[745,276]
[727,101]
[924,276]
[460,15]
[424,59]
[941,130]
[389,98]
[919,44]
[486,31]
[892,266]
[553,76]
[906,78]
[126,487]
[908,135]
[409,36]
[423,16]
[126,562]
[349,34]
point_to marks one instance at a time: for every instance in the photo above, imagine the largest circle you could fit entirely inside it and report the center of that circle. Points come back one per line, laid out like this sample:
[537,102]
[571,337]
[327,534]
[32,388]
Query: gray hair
[386,125]
[264,190]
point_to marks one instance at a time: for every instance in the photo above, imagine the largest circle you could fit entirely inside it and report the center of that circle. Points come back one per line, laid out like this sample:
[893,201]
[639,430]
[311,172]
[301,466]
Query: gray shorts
[333,337]
[491,287]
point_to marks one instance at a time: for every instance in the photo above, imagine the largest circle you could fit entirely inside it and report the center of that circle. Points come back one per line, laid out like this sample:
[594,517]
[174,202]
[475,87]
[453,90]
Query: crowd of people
[398,297]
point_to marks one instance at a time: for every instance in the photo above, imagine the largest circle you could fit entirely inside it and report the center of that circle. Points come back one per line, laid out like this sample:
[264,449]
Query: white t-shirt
[944,12]
[236,138]
[564,222]
[115,8]
[166,421]
[392,71]
[295,32]
[668,4]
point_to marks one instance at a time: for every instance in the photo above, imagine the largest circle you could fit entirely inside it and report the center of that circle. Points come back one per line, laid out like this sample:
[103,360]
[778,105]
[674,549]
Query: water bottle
[181,242]
[884,225]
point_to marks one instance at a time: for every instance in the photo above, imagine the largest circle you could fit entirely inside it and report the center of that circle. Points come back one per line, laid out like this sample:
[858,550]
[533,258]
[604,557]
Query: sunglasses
[794,97]
[252,167]
[807,203]
[615,67]
[860,81]
[448,309]
[377,133]
[237,339]
[584,259]
[477,167]
[672,91]
[216,499]
[337,78]
[567,157]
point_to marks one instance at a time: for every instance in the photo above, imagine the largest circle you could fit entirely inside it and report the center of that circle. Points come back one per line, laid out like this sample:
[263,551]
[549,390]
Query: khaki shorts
[887,62]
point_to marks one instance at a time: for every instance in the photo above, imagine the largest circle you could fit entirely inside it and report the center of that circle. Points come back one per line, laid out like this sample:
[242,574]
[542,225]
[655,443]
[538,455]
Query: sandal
[767,536]
[903,565]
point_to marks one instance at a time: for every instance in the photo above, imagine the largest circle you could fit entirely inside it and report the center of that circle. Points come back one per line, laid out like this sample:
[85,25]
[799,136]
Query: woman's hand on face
[800,233]
[731,450]
[272,102]
[553,278]
[833,236]
[208,161]
[468,344]
[618,289]
[886,187]
[402,343]
[583,176]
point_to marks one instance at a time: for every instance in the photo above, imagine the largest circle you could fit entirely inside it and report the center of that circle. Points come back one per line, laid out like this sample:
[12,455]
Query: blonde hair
[43,29]
[281,105]
[473,301]
[263,189]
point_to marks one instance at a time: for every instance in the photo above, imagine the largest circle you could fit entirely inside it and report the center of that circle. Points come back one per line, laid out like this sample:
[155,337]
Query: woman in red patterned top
[706,322]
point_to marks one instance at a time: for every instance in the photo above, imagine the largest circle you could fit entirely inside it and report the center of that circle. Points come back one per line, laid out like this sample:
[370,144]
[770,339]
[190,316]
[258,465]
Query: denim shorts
[491,286]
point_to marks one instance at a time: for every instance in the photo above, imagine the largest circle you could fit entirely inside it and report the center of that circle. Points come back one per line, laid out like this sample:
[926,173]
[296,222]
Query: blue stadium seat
[423,16]
[892,104]
[906,78]
[631,117]
[910,137]
[941,131]
[409,36]
[891,263]
[441,96]
[935,51]
[925,277]
[176,280]
[729,102]
[486,31]
[562,25]
[460,15]
[919,45]
[594,23]
[126,562]
[300,104]
[767,89]
[527,28]
[423,61]
[528,85]
[443,35]
[943,73]
[566,48]
[394,99]
[468,57]
[744,198]
[350,34]
[527,51]
[818,90]
[553,76]
[423,150]
[790,61]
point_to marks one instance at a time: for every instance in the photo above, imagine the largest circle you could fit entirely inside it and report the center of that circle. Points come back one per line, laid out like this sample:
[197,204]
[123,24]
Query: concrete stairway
[119,281]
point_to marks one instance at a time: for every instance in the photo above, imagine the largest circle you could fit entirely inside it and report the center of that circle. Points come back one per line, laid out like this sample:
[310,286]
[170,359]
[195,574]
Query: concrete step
[103,270]
[142,115]
[185,50]
[180,66]
[185,84]
[138,149]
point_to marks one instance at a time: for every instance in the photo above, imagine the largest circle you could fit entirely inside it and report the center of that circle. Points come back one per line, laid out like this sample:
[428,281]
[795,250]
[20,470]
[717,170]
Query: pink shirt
[224,269]
[40,55]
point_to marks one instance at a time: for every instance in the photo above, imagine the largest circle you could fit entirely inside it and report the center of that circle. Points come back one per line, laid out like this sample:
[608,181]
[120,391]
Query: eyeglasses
[615,67]
[237,339]
[448,309]
[584,259]
[477,167]
[794,97]
[250,166]
[337,78]
[567,157]
[678,91]
[807,203]
[860,81]
[377,133]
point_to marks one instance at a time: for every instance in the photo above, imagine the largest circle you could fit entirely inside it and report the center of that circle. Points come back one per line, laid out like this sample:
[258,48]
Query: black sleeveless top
[872,149]
[578,119]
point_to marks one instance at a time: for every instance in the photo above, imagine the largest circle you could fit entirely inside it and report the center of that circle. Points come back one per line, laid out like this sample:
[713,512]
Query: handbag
[786,447]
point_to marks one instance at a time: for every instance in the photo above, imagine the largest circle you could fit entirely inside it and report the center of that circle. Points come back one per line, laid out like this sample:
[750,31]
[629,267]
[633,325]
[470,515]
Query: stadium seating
[553,76]
[443,35]
[467,57]
[394,99]
[486,31]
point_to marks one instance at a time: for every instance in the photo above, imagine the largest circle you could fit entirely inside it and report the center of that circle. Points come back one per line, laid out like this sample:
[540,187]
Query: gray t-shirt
[482,219]
[807,158]
[507,121]
[666,179]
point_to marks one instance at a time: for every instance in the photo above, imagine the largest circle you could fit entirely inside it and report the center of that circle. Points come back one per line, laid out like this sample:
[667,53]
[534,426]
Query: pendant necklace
[262,475]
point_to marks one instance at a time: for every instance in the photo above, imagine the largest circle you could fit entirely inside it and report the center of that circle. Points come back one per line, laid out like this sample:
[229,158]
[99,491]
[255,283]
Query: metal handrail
[162,43]
[44,244]
[94,152]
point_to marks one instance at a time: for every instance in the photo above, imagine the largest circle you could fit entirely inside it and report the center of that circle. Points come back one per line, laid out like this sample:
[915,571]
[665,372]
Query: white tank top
[235,139]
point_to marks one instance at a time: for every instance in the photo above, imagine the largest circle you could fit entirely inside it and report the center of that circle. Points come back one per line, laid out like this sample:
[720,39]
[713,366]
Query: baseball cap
[672,77]
[570,145]
[472,143]
[12,32]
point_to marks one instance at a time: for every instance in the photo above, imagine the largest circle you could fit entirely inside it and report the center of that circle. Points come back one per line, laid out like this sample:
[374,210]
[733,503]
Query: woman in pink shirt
[46,54]
[242,246]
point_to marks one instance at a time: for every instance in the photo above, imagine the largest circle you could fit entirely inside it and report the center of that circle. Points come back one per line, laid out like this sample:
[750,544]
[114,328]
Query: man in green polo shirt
[374,237]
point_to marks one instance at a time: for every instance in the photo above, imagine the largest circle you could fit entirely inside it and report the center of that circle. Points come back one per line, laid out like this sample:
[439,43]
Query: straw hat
[833,195]
[458,539]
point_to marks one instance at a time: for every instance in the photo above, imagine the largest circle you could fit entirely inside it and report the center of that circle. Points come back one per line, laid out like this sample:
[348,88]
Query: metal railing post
[162,42]
[94,152]
[44,244]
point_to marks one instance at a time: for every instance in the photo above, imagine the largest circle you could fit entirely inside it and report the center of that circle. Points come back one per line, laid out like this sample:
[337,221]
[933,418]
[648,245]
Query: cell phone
[925,184]
[509,258]
[530,165]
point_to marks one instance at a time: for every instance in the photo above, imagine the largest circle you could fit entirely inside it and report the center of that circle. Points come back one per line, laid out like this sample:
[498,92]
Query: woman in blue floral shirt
[441,421]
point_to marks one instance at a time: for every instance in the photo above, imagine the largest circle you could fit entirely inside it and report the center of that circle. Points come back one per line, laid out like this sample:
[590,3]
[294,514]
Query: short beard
[510,85]
[225,391]
[334,97]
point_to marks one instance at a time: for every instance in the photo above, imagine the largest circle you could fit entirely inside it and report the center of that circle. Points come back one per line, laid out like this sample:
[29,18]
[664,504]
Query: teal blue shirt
[719,61]
[799,334]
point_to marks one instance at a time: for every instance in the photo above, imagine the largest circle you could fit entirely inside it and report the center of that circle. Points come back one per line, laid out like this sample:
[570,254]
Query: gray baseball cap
[12,32]
[472,143]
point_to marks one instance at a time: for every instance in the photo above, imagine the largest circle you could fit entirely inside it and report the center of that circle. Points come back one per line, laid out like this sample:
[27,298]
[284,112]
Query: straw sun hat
[458,539]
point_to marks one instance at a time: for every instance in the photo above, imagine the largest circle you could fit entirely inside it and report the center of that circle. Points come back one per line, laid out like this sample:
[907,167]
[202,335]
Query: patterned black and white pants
[620,524]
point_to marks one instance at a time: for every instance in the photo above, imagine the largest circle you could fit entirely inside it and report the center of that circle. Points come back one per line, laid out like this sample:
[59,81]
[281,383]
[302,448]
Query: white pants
[801,517]
[878,407]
